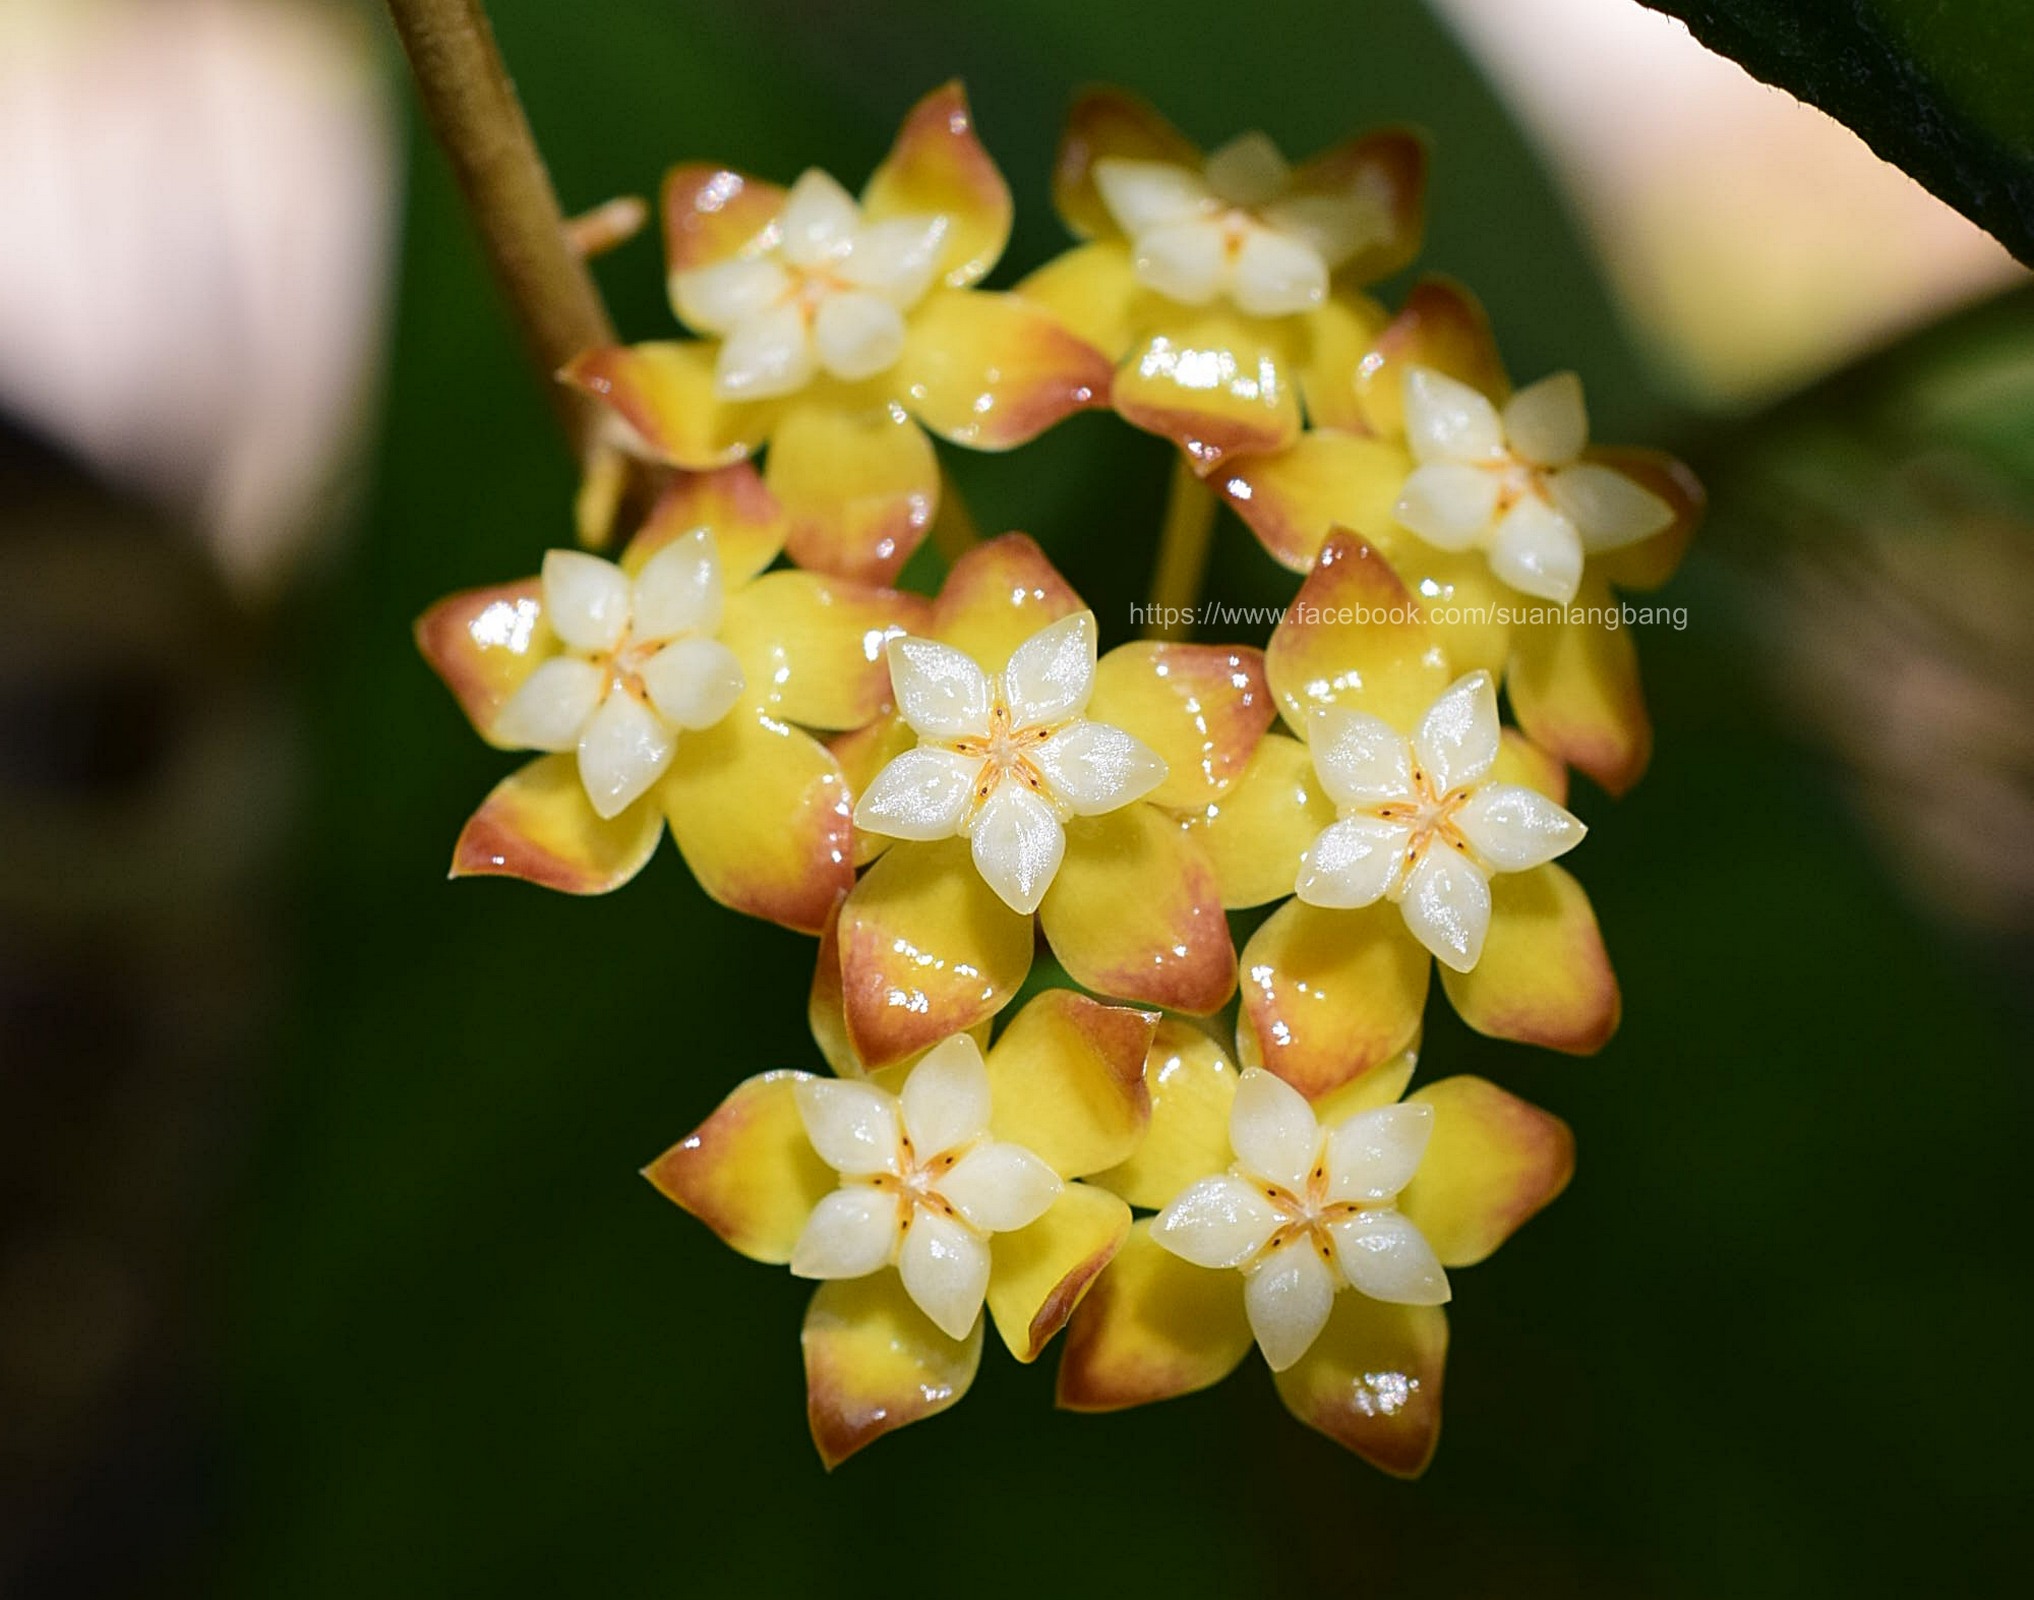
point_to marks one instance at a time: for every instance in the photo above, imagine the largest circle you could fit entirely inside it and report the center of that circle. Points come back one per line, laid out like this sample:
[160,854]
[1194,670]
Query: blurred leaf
[1942,91]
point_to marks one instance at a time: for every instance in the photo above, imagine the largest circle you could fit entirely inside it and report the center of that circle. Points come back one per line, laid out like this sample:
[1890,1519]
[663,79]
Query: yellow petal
[747,524]
[874,1362]
[859,483]
[1544,977]
[1574,687]
[1651,562]
[938,167]
[1109,123]
[862,754]
[1491,1163]
[1334,337]
[1380,1086]
[1039,1273]
[1388,168]
[1330,995]
[1255,833]
[1216,383]
[1191,1082]
[1093,292]
[1442,326]
[1153,1328]
[539,826]
[1328,479]
[812,647]
[713,213]
[665,393]
[1353,636]
[748,1171]
[1521,761]
[1136,912]
[761,813]
[1067,1081]
[992,371]
[484,643]
[927,949]
[1201,707]
[998,595]
[1372,1382]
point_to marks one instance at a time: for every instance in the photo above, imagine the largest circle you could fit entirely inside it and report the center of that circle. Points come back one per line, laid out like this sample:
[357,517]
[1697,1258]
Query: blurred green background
[1769,1343]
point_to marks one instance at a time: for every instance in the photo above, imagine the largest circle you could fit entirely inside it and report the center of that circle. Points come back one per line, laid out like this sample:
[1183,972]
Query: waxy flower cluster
[1182,1151]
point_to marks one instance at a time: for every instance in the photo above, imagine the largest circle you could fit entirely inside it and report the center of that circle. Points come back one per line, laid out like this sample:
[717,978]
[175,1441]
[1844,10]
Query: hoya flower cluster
[1182,1151]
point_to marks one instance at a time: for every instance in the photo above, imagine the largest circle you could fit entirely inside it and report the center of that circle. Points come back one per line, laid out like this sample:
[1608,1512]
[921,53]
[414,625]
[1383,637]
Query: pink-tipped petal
[539,826]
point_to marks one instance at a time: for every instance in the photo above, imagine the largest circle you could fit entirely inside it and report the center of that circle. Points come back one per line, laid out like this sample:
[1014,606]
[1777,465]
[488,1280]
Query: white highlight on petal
[1218,1222]
[896,258]
[1449,504]
[1446,904]
[1362,760]
[1288,1297]
[1538,551]
[945,1269]
[941,692]
[1457,738]
[1093,768]
[624,749]
[818,220]
[1142,195]
[850,1234]
[1514,828]
[921,794]
[678,590]
[945,1100]
[1352,863]
[857,334]
[552,707]
[1018,844]
[1248,170]
[1335,226]
[853,1126]
[1184,261]
[586,600]
[1608,508]
[1272,1129]
[712,300]
[1374,1154]
[1278,275]
[1446,420]
[693,683]
[1546,422]
[1385,1256]
[1051,675]
[1000,1188]
[766,355]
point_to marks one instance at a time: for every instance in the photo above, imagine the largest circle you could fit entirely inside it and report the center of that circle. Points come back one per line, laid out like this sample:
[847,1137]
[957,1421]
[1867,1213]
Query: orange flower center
[1431,816]
[1307,1215]
[1004,751]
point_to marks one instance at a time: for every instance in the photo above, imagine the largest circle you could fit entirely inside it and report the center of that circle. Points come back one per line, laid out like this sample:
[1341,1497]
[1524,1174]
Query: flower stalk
[1183,542]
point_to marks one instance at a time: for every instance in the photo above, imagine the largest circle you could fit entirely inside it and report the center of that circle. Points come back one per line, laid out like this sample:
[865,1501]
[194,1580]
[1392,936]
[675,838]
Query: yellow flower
[827,325]
[1492,507]
[1036,781]
[1321,1232]
[1409,826]
[923,1193]
[675,686]
[1226,287]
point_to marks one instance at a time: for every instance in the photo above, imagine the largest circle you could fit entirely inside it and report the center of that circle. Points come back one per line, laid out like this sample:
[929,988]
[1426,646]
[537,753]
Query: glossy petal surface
[1103,124]
[1385,1256]
[1153,1327]
[993,371]
[945,1100]
[1041,1271]
[998,595]
[1218,1221]
[1442,327]
[484,643]
[1493,1161]
[1017,844]
[1214,383]
[939,167]
[1544,977]
[1201,708]
[1353,636]
[1329,995]
[536,825]
[814,649]
[666,394]
[945,1268]
[713,213]
[1288,1296]
[749,1172]
[1327,479]
[747,524]
[1191,1083]
[1067,1082]
[874,1362]
[1254,836]
[858,485]
[1372,1382]
[1574,688]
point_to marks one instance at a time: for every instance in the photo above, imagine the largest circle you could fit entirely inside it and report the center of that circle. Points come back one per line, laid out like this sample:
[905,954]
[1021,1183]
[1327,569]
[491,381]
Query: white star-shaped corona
[922,1183]
[1307,1211]
[1419,821]
[1237,228]
[821,290]
[640,666]
[1005,762]
[1513,483]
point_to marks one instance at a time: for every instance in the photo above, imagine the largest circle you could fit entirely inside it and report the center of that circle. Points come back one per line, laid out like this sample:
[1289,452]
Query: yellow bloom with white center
[833,332]
[1323,1232]
[924,1193]
[1422,822]
[1498,513]
[1406,825]
[1003,764]
[1025,787]
[1513,483]
[675,687]
[1226,287]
